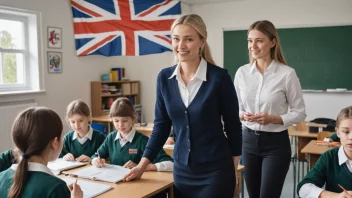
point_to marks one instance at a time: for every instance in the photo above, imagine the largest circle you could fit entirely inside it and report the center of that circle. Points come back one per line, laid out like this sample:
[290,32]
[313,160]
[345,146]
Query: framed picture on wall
[54,62]
[54,37]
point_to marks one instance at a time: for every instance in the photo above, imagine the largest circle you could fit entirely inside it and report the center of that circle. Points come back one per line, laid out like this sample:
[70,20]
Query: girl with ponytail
[37,133]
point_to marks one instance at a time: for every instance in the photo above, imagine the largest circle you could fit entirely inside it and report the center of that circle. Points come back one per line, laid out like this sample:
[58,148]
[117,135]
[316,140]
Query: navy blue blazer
[198,129]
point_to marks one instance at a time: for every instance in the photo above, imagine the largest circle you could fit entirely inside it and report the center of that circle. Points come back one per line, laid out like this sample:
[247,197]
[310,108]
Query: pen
[344,189]
[76,181]
[99,158]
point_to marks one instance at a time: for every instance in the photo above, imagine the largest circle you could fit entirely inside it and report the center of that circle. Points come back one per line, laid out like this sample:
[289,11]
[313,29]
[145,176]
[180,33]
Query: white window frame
[32,51]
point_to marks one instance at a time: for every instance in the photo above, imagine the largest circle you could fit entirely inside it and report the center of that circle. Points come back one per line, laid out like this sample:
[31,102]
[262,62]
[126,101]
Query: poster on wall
[54,38]
[54,62]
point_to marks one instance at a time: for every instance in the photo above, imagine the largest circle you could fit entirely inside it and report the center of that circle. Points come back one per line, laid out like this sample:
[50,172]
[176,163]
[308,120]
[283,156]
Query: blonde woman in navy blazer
[195,96]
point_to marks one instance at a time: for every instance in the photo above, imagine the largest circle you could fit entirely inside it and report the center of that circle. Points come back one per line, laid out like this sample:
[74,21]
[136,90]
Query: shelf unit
[100,95]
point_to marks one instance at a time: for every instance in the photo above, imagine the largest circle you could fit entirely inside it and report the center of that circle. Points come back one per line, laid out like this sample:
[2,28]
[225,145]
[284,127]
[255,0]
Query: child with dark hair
[37,133]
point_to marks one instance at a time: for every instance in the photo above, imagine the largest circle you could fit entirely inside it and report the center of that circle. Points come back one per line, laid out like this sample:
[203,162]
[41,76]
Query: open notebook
[108,173]
[90,189]
[60,165]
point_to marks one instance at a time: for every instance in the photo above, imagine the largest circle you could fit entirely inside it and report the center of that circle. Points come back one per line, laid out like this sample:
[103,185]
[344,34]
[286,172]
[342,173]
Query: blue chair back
[99,127]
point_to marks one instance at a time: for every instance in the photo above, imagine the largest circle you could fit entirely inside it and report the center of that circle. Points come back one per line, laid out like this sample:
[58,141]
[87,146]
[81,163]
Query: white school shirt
[310,190]
[276,92]
[161,166]
[33,166]
[85,138]
[190,91]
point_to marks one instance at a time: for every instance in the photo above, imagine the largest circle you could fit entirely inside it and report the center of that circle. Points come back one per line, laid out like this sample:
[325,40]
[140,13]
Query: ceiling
[192,2]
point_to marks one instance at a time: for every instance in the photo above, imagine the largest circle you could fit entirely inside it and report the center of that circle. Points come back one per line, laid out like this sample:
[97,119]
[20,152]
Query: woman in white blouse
[270,100]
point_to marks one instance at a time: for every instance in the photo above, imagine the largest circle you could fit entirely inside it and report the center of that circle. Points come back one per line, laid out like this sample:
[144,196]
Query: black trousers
[266,157]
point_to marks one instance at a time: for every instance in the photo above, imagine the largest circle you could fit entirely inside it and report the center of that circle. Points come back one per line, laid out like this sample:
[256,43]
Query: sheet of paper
[90,189]
[61,164]
[109,173]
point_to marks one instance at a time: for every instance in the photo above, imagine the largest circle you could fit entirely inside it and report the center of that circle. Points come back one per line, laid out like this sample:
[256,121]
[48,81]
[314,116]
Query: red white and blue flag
[123,27]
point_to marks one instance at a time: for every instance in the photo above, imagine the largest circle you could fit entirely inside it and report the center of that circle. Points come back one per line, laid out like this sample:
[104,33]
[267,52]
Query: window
[19,60]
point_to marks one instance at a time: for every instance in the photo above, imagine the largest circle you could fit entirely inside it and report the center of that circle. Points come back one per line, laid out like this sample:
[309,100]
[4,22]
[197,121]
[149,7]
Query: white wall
[78,72]
[285,13]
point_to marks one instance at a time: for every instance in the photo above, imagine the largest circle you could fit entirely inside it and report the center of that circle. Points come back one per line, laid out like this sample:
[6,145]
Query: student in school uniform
[334,167]
[270,100]
[194,97]
[37,133]
[8,158]
[81,143]
[125,146]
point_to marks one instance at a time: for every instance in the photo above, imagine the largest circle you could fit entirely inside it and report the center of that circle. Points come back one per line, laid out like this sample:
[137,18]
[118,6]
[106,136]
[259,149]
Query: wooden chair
[324,134]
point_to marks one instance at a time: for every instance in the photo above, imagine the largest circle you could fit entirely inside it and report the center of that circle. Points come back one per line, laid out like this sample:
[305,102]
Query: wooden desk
[314,152]
[146,130]
[302,138]
[150,184]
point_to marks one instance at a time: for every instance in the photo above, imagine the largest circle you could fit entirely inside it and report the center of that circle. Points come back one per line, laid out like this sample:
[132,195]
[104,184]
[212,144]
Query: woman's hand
[83,158]
[262,118]
[135,173]
[247,116]
[170,141]
[237,189]
[69,157]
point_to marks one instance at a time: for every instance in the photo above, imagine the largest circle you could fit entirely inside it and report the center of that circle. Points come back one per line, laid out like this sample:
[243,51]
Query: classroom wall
[78,72]
[287,13]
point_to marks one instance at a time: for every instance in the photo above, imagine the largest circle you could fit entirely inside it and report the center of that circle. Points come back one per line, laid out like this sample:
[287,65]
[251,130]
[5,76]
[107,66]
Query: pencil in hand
[344,189]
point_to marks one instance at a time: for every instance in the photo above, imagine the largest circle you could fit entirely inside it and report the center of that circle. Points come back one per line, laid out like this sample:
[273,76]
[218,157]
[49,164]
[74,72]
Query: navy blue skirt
[205,180]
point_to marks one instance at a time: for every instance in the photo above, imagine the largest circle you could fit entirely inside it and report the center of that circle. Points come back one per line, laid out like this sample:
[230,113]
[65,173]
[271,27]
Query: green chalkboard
[321,56]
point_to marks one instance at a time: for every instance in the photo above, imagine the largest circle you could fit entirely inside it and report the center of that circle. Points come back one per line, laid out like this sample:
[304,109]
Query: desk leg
[171,192]
[309,164]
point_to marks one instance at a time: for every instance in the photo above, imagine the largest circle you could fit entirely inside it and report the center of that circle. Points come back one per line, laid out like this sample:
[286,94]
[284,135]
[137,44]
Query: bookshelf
[103,93]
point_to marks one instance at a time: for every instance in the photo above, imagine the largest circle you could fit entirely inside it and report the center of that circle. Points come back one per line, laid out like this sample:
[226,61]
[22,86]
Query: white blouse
[276,92]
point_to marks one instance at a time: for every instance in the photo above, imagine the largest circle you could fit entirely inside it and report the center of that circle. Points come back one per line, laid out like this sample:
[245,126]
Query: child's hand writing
[83,158]
[344,194]
[76,191]
[98,162]
[69,157]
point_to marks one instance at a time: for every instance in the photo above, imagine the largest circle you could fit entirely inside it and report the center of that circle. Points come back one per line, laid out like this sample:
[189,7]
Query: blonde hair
[196,22]
[345,113]
[268,28]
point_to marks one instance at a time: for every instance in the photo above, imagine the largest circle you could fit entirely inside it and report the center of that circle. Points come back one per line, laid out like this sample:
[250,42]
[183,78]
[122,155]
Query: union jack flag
[123,27]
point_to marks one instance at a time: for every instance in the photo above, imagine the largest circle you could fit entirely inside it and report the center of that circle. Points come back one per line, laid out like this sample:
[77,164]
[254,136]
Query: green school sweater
[6,160]
[335,138]
[328,171]
[77,149]
[133,151]
[39,184]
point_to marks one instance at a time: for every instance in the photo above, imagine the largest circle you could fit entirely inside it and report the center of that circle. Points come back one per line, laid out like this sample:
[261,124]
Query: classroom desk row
[150,184]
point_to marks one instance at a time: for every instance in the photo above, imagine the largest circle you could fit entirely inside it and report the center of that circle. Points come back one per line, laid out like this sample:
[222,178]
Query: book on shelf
[107,173]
